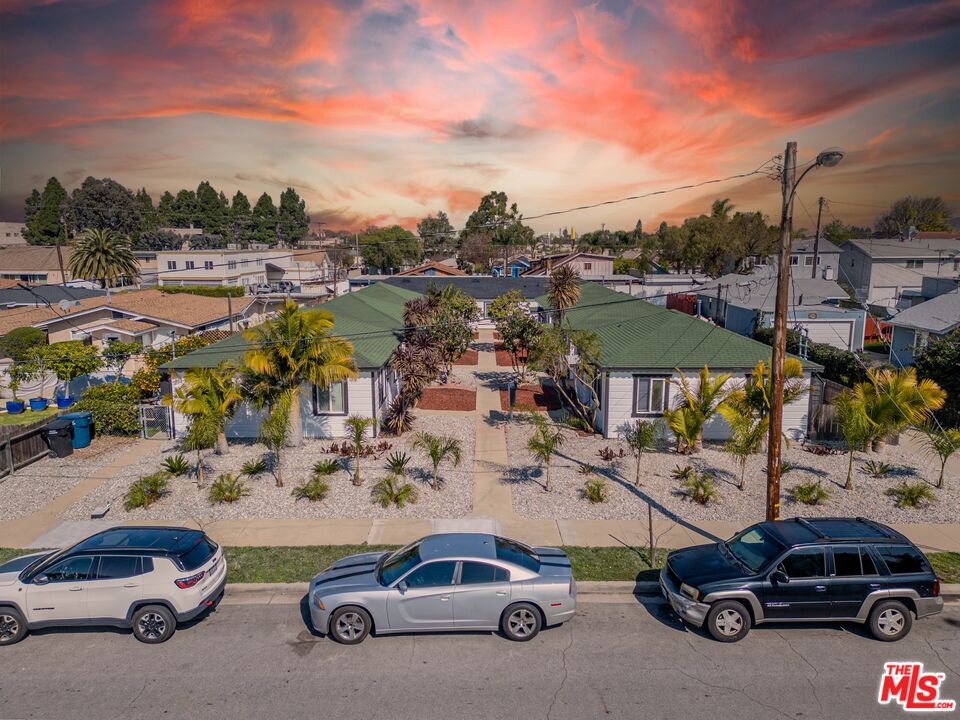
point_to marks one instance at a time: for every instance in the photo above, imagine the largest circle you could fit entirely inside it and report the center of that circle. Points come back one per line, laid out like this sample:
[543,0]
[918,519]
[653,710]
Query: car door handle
[131,585]
[444,597]
[501,593]
[820,588]
[75,589]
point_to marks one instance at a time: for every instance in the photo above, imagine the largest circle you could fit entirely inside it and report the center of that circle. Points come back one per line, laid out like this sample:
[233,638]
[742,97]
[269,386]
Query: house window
[587,266]
[382,389]
[808,261]
[920,340]
[208,264]
[190,265]
[914,263]
[794,260]
[171,264]
[331,400]
[651,395]
[231,264]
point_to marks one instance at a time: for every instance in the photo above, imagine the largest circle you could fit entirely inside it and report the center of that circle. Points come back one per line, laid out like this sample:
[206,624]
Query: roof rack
[811,527]
[885,531]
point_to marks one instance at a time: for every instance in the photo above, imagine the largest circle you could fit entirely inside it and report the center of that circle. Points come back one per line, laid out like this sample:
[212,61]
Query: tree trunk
[199,470]
[295,438]
[221,447]
[943,464]
[547,486]
[356,467]
[636,482]
[277,470]
[436,477]
[849,485]
[698,443]
[743,471]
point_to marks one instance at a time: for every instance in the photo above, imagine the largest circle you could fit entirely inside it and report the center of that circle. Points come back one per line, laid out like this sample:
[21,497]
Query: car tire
[153,624]
[13,626]
[350,625]
[521,622]
[728,621]
[890,621]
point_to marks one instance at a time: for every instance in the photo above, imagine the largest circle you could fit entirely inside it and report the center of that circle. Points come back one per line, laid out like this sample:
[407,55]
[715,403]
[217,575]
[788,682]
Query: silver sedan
[455,581]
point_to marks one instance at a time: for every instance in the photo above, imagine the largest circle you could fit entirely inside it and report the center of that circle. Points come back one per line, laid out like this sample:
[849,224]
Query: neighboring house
[372,319]
[243,268]
[432,269]
[11,233]
[482,288]
[886,273]
[801,258]
[642,346]
[583,262]
[746,302]
[34,264]
[632,254]
[516,266]
[44,295]
[656,286]
[913,327]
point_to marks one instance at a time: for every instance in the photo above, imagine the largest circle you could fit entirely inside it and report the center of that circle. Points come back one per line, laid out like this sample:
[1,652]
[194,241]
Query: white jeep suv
[145,578]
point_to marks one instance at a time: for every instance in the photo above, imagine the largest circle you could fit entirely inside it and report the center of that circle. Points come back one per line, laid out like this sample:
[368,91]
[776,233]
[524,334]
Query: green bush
[18,343]
[877,469]
[227,488]
[392,490]
[876,346]
[254,467]
[324,468]
[577,423]
[701,488]
[810,493]
[218,291]
[916,495]
[683,474]
[175,465]
[585,469]
[596,490]
[114,407]
[786,467]
[145,491]
[397,462]
[314,490]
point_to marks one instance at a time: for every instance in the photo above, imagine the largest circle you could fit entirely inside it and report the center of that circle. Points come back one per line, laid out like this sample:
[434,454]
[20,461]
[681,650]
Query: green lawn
[300,564]
[27,417]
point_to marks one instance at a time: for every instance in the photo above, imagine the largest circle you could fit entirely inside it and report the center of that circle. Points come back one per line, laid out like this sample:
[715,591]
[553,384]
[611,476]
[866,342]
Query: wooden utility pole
[816,238]
[230,310]
[63,275]
[780,334]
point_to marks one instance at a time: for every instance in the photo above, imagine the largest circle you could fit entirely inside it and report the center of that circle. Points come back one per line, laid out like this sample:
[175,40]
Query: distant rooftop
[939,315]
[918,247]
[53,294]
[480,287]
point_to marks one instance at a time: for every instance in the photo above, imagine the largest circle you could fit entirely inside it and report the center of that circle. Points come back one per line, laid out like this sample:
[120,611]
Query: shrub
[877,469]
[397,462]
[810,493]
[682,474]
[227,488]
[607,454]
[323,468]
[175,465]
[392,490]
[18,343]
[577,423]
[147,382]
[875,346]
[145,491]
[596,490]
[701,488]
[585,469]
[114,407]
[398,418]
[220,291]
[254,467]
[315,489]
[916,495]
[786,467]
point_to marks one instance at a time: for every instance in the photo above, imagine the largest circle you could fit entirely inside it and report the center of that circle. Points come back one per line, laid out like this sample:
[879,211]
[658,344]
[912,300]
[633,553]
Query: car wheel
[728,621]
[890,620]
[153,624]
[13,627]
[350,625]
[521,622]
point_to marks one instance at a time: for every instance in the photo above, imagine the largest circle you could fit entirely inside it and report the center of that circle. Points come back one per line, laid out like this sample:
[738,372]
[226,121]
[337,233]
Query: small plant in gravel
[683,474]
[701,488]
[175,465]
[228,488]
[398,418]
[810,493]
[397,462]
[607,454]
[584,469]
[596,490]
[914,495]
[392,490]
[543,444]
[145,491]
[315,489]
[438,449]
[356,429]
[877,469]
[254,467]
[942,442]
[326,468]
[786,467]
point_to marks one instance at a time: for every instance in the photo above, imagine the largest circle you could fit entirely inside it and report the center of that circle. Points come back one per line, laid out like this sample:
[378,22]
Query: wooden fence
[822,424]
[21,445]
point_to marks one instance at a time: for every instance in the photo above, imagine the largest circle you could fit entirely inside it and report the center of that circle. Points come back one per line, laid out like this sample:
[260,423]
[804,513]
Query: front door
[426,602]
[118,584]
[854,577]
[481,594]
[806,594]
[61,593]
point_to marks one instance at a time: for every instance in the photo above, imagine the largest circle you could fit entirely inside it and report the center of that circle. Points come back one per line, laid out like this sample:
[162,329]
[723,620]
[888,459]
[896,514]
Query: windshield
[399,563]
[755,548]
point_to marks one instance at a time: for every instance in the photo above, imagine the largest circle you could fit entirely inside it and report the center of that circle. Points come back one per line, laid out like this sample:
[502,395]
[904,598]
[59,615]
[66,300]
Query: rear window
[115,567]
[198,555]
[903,559]
[474,573]
[509,551]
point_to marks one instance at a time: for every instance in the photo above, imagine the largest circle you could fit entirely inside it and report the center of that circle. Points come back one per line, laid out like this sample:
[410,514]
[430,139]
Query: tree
[941,442]
[517,328]
[438,448]
[201,435]
[43,225]
[475,252]
[292,217]
[551,353]
[640,436]
[697,406]
[295,347]
[747,432]
[890,400]
[855,426]
[212,211]
[749,236]
[543,444]
[69,360]
[563,289]
[19,342]
[938,362]
[264,221]
[436,234]
[117,353]
[213,394]
[357,426]
[147,211]
[449,324]
[105,204]
[185,211]
[166,209]
[496,216]
[103,256]
[240,217]
[390,248]
[276,427]
[924,214]
[720,210]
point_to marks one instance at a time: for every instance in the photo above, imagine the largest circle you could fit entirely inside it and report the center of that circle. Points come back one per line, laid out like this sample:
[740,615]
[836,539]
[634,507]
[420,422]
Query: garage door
[830,332]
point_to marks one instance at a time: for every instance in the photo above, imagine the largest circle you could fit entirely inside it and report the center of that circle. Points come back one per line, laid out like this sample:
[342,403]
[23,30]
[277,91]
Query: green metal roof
[635,334]
[372,319]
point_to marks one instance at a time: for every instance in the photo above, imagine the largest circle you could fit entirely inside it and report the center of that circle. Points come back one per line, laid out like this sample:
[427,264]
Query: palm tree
[543,444]
[356,430]
[201,435]
[102,256]
[721,209]
[892,399]
[942,443]
[856,426]
[275,428]
[211,393]
[563,289]
[438,448]
[294,347]
[699,404]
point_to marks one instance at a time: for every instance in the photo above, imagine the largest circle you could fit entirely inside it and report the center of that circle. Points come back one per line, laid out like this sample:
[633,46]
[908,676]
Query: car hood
[356,572]
[704,564]
[10,570]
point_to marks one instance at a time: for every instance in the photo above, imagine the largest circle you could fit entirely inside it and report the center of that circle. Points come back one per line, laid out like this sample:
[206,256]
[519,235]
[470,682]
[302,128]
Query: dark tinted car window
[846,561]
[512,552]
[903,560]
[869,567]
[71,569]
[434,574]
[400,562]
[114,567]
[198,555]
[474,573]
[804,563]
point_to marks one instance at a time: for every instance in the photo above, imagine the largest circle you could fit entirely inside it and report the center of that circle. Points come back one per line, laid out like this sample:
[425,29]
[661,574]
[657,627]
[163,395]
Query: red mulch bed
[470,357]
[504,358]
[534,396]
[448,397]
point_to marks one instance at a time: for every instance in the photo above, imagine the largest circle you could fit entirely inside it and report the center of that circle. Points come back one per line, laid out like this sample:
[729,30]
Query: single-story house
[43,295]
[372,319]
[432,269]
[642,346]
[913,327]
[583,262]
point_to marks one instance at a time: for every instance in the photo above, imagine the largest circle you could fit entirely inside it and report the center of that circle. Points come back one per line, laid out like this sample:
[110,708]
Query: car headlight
[689,591]
[317,601]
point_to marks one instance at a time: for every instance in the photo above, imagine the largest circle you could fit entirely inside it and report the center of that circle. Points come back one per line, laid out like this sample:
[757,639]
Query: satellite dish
[65,305]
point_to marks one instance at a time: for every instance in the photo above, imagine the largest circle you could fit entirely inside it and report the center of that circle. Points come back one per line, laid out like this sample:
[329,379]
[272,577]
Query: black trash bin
[60,437]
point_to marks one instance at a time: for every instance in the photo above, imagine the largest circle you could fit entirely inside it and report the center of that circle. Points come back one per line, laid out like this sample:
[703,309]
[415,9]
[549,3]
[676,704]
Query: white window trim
[665,380]
[316,401]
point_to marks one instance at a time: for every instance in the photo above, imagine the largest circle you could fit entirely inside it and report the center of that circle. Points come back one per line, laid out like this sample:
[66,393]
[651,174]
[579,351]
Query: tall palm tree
[438,448]
[294,347]
[211,393]
[102,256]
[563,289]
[698,405]
[721,209]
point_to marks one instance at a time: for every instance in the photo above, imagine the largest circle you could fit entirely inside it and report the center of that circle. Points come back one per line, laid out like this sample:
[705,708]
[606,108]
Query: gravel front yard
[867,498]
[32,487]
[267,501]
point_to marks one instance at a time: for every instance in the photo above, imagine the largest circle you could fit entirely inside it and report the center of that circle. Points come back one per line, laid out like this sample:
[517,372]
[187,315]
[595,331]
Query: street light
[828,158]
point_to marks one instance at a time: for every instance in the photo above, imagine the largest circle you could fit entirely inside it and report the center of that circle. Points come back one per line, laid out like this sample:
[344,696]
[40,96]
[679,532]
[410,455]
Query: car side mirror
[402,586]
[779,577]
[40,580]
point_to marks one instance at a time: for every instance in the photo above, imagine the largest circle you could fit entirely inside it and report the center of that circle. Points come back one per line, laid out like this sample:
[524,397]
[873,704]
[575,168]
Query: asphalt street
[620,659]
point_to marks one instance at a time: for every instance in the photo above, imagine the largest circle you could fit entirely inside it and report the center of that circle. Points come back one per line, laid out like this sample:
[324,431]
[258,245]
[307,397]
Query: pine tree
[43,213]
[293,217]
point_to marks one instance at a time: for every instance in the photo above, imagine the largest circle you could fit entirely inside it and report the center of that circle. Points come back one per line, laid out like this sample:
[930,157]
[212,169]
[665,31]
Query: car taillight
[570,587]
[936,587]
[189,582]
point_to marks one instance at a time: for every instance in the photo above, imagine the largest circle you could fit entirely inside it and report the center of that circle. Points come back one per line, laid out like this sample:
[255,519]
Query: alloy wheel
[9,627]
[522,622]
[890,621]
[350,626]
[729,622]
[152,625]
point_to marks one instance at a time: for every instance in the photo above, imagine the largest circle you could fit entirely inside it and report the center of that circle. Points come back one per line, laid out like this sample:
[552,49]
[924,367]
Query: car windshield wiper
[731,553]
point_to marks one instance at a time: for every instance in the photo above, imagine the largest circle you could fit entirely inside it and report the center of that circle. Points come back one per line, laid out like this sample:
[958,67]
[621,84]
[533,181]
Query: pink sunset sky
[381,112]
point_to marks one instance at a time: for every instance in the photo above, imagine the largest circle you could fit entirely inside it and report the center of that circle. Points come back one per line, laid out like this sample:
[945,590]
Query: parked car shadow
[305,616]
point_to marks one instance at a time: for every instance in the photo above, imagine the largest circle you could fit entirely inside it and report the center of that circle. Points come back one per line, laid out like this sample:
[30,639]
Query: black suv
[813,569]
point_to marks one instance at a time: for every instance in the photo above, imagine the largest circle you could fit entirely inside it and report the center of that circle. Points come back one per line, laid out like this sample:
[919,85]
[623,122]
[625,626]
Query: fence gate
[156,421]
[823,424]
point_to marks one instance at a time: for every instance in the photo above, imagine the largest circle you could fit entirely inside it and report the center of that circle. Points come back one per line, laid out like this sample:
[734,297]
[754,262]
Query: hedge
[207,291]
[115,408]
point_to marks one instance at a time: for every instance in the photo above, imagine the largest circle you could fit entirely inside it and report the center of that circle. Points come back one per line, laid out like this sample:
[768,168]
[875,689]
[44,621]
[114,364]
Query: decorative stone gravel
[32,487]
[265,500]
[867,498]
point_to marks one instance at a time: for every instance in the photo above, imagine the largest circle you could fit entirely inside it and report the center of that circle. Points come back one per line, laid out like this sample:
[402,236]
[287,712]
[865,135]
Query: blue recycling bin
[82,428]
